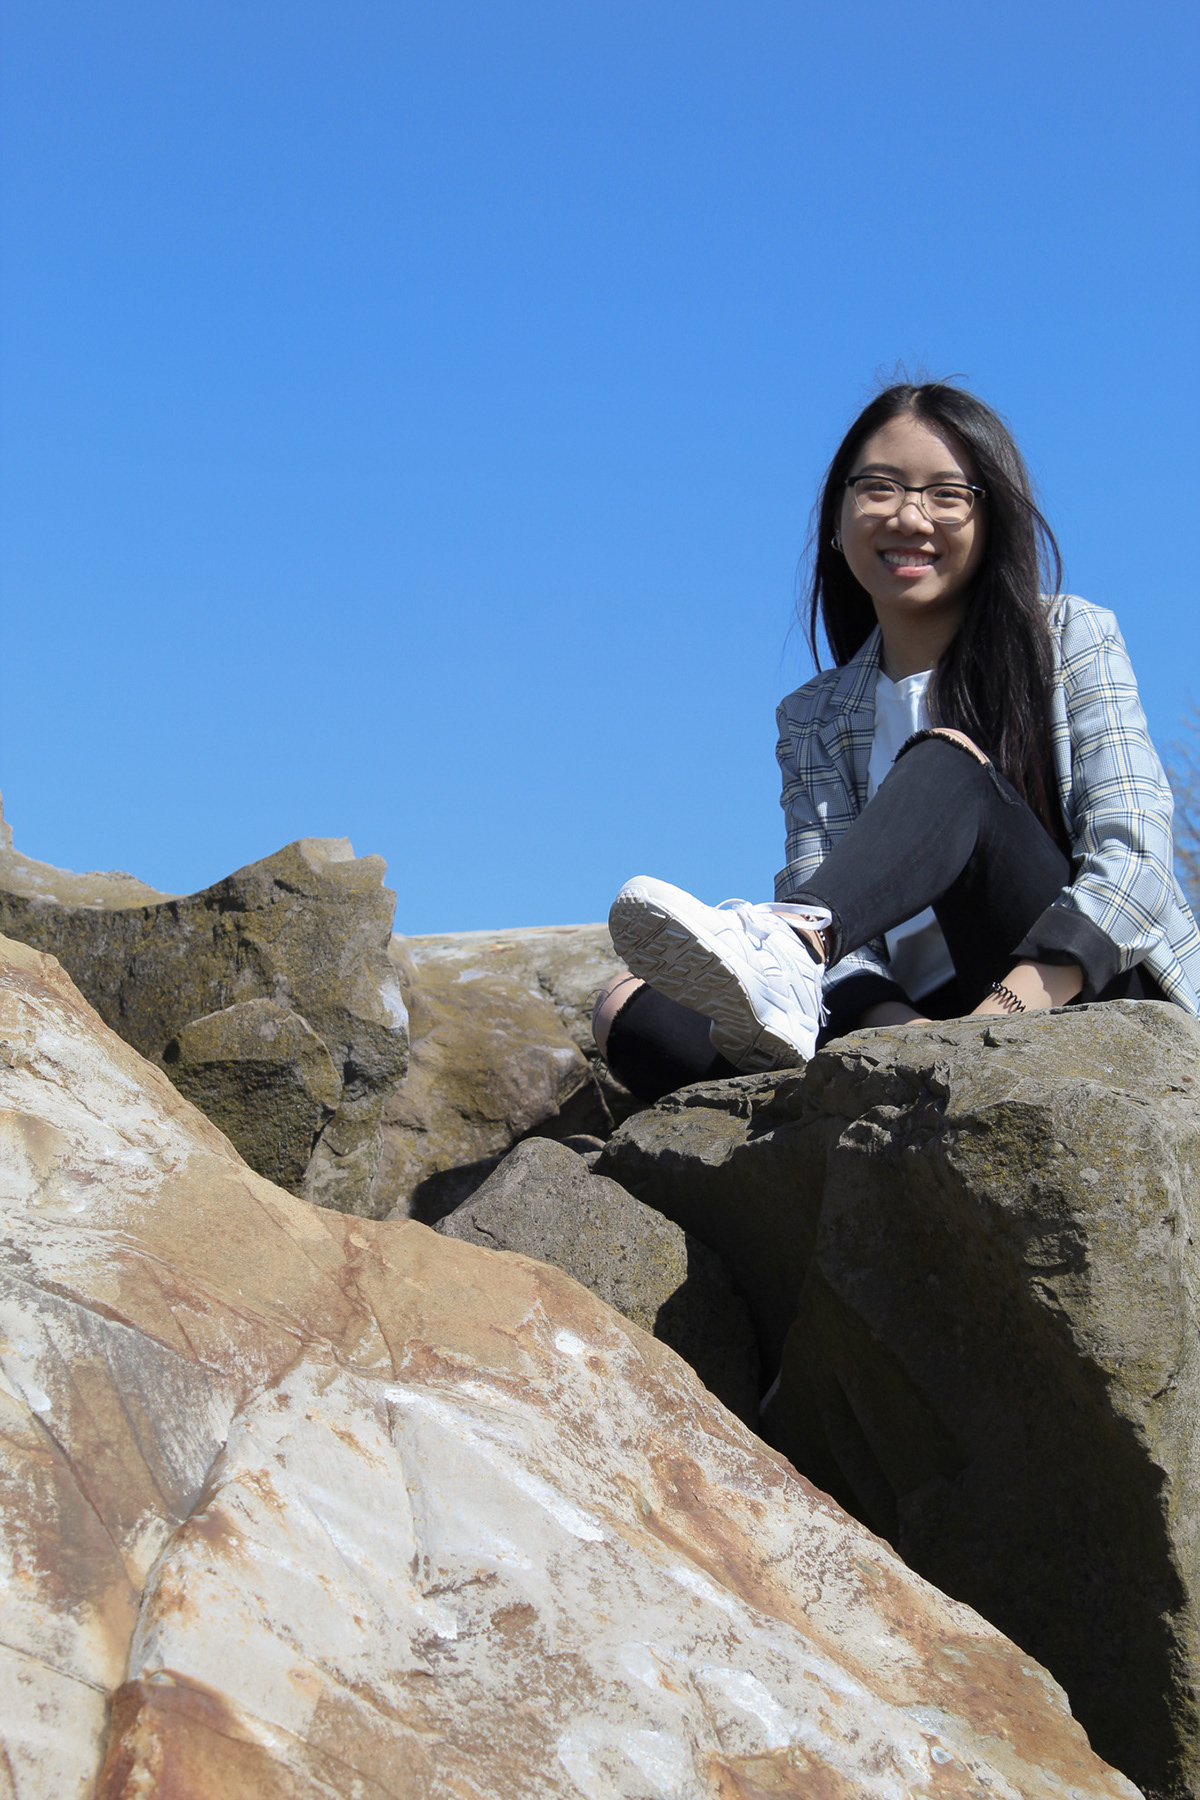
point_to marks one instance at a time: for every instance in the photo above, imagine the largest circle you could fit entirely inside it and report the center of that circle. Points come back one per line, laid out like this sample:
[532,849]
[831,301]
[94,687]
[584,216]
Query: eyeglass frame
[969,486]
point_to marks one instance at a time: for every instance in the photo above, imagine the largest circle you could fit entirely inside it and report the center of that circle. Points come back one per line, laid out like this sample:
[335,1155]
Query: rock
[307,930]
[32,880]
[302,1505]
[266,1076]
[566,964]
[990,1233]
[542,1202]
[501,1047]
[740,1164]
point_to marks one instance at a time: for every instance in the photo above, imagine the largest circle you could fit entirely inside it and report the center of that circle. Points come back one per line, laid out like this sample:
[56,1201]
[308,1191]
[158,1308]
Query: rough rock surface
[326,1507]
[261,1072]
[307,929]
[542,1202]
[501,1047]
[987,1235]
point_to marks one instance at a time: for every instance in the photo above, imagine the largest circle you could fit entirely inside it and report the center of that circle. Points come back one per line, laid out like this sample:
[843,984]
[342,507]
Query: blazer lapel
[846,735]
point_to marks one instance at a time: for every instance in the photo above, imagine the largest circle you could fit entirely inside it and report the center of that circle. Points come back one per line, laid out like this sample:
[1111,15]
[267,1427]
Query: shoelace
[759,919]
[756,918]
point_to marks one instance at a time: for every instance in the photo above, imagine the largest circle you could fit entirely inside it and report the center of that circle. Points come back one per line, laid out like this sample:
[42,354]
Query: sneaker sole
[675,959]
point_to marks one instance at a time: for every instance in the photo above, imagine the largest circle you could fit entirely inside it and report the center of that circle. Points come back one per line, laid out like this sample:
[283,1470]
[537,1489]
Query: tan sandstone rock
[501,1047]
[296,1504]
[33,880]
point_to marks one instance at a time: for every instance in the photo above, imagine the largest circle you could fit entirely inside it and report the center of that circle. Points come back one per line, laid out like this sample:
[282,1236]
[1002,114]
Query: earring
[836,540]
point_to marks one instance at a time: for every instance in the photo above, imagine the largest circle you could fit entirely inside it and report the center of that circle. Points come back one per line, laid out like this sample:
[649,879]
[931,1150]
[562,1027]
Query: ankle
[813,939]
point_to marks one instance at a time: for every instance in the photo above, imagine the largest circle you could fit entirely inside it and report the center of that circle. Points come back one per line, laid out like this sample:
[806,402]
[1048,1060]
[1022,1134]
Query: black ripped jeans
[946,831]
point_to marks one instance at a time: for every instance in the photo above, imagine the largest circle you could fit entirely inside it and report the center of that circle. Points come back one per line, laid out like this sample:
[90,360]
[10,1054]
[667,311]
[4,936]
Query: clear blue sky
[411,413]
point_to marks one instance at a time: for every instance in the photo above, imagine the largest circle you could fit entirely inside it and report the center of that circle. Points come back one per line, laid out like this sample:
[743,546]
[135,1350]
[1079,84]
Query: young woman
[977,821]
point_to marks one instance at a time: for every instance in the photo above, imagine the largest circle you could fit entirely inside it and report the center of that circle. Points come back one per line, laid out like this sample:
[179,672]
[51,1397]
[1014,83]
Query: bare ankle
[813,939]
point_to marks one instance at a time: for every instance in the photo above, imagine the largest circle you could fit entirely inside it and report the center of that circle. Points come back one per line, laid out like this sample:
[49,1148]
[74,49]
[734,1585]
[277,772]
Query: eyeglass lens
[877,497]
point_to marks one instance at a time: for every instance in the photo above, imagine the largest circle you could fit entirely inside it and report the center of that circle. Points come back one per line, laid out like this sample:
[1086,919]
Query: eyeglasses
[942,502]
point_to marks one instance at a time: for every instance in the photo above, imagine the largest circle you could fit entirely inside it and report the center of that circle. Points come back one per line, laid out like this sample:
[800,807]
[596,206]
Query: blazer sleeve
[1120,811]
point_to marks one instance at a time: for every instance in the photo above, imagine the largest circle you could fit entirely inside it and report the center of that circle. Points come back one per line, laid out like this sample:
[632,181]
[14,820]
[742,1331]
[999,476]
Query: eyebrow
[882,468]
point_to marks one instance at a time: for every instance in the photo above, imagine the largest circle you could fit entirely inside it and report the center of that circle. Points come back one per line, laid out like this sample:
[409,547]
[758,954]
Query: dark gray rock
[741,1165]
[542,1202]
[307,929]
[987,1237]
[263,1075]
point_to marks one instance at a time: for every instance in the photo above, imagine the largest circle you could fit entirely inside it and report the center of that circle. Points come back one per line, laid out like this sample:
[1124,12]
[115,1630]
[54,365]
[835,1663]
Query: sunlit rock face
[300,1504]
[502,1046]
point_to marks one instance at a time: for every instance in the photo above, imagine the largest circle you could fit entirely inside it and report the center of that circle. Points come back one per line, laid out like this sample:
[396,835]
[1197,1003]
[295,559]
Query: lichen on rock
[306,930]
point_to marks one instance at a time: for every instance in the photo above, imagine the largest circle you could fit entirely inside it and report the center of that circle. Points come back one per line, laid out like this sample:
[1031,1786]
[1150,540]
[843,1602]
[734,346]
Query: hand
[1038,985]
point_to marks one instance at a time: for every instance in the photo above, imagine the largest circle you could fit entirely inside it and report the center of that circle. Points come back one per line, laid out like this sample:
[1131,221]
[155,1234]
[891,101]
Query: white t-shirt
[917,950]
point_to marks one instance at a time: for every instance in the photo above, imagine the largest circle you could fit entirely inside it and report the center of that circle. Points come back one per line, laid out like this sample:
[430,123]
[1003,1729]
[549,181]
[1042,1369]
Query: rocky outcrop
[501,1047]
[270,997]
[302,1505]
[541,1201]
[974,1250]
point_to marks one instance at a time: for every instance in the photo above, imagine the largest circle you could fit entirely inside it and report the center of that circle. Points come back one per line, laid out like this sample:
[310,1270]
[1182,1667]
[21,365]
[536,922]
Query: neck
[912,645]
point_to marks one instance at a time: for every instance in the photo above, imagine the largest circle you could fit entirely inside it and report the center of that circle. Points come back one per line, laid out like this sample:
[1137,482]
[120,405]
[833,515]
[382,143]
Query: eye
[949,495]
[876,487]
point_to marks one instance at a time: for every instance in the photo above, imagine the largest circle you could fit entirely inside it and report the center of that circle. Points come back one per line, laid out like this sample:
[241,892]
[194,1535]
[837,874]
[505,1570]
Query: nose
[910,517]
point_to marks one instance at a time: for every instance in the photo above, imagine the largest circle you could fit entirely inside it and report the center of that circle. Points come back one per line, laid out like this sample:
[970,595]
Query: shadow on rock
[973,1253]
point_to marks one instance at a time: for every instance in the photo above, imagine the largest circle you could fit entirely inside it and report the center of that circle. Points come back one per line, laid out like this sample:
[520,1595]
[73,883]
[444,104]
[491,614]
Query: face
[913,569]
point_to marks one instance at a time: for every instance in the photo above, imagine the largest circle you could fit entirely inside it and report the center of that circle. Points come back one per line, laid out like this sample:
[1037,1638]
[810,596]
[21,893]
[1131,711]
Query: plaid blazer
[1115,797]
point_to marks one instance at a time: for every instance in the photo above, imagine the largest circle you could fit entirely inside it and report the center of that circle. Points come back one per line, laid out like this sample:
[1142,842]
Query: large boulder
[542,1201]
[501,1048]
[987,1237]
[299,1505]
[305,933]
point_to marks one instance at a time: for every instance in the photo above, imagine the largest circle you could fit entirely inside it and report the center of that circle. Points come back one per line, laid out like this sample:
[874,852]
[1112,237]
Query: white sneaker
[743,965]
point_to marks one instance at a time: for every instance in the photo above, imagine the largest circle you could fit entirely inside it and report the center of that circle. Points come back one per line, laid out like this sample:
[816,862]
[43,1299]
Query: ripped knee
[951,736]
[611,1000]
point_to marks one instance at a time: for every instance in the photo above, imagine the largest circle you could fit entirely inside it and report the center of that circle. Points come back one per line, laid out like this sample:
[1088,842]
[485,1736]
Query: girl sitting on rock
[977,821]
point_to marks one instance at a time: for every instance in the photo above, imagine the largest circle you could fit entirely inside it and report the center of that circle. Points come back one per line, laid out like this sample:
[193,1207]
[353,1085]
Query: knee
[962,740]
[609,1001]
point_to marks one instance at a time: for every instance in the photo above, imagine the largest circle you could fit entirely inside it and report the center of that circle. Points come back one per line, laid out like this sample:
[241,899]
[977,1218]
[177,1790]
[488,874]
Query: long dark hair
[994,679]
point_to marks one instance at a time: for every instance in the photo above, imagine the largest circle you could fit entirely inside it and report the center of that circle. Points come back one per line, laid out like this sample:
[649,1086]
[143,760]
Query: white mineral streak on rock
[318,1507]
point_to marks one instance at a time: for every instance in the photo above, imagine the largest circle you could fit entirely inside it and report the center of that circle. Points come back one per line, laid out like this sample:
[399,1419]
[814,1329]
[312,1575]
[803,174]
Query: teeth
[907,559]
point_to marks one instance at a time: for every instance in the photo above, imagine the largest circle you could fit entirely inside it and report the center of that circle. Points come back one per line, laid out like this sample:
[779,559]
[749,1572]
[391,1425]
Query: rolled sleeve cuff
[1065,935]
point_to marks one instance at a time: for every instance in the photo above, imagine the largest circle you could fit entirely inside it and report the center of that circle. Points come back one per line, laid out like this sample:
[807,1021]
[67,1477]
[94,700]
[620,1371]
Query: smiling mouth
[909,559]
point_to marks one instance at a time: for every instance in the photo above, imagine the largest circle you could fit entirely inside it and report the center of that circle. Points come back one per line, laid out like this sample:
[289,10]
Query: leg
[609,1002]
[742,966]
[945,830]
[651,1043]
